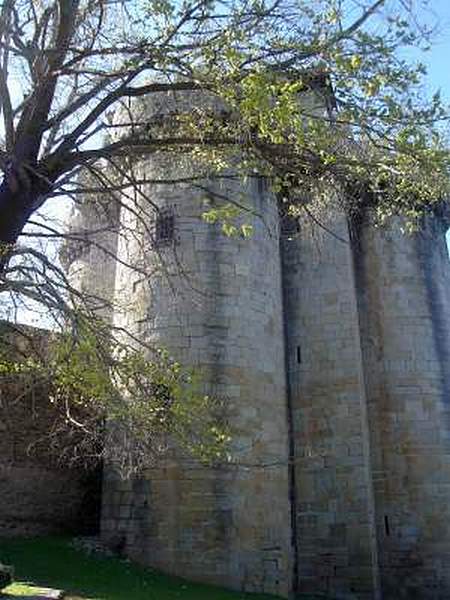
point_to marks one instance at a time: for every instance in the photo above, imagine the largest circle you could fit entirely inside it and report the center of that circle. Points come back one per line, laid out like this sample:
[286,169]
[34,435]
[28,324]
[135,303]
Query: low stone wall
[38,494]
[39,500]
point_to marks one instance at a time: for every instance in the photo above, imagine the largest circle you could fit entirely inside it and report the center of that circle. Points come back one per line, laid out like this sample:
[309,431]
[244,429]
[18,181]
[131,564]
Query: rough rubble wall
[334,500]
[404,294]
[216,304]
[37,496]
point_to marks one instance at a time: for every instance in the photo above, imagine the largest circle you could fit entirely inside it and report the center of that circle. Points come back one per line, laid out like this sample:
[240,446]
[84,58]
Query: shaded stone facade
[404,294]
[37,495]
[331,350]
[203,523]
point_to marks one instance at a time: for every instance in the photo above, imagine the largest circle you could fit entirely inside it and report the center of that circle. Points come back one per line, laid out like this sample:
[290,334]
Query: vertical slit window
[164,228]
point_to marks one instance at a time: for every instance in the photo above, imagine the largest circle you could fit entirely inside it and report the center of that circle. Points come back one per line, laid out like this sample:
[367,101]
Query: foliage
[315,97]
[340,110]
[311,94]
[227,216]
[113,403]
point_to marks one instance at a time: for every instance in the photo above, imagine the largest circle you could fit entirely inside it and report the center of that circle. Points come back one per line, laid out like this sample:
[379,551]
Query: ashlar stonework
[332,351]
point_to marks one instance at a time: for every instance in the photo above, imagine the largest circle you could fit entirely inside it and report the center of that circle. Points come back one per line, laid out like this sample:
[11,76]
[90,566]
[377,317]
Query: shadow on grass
[52,562]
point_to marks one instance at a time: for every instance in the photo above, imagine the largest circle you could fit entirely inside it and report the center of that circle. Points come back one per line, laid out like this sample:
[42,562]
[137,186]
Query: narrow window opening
[299,355]
[164,228]
[386,526]
[261,185]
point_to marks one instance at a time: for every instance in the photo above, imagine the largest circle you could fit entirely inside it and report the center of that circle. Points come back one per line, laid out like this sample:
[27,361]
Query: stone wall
[404,297]
[334,504]
[333,358]
[366,328]
[89,251]
[216,304]
[368,341]
[37,495]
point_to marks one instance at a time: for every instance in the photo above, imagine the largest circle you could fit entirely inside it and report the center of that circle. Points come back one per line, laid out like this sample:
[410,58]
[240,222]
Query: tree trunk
[17,203]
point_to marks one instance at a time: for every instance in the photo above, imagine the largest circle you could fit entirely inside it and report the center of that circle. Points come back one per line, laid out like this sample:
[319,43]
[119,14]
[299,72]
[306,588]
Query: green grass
[52,562]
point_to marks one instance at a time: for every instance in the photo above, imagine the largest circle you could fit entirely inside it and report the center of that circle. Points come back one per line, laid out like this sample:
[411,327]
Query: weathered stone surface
[231,525]
[347,381]
[335,528]
[404,293]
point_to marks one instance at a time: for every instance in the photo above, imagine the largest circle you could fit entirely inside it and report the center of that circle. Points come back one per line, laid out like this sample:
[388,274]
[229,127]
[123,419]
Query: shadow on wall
[38,495]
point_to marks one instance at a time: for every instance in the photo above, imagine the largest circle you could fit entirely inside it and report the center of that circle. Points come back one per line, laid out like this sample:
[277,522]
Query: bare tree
[66,65]
[77,78]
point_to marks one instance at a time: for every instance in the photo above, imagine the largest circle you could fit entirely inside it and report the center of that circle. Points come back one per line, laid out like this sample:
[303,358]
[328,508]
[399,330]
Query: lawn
[52,562]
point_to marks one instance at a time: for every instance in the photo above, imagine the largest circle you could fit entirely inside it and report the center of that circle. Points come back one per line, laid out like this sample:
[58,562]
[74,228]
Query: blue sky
[438,58]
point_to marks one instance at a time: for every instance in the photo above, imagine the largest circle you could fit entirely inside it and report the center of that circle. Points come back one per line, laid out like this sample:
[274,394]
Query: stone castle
[331,347]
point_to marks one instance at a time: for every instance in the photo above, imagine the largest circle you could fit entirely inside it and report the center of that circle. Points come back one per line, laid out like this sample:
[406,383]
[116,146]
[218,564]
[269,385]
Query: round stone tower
[215,303]
[368,347]
[332,359]
[334,506]
[404,296]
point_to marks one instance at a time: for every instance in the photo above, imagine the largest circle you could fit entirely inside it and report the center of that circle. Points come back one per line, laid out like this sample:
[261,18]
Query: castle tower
[368,342]
[334,505]
[331,353]
[404,298]
[216,304]
[90,250]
